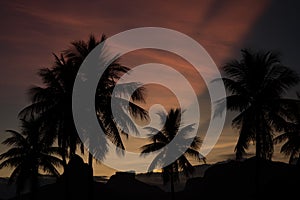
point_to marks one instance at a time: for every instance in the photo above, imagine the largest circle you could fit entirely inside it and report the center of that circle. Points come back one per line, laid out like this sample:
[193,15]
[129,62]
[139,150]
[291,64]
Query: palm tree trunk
[90,160]
[18,194]
[63,155]
[298,161]
[64,160]
[172,185]
[258,157]
[257,138]
[90,182]
[34,187]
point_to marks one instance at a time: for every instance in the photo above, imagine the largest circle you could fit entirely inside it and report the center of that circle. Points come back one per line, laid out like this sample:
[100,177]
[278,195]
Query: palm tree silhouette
[54,101]
[291,133]
[31,152]
[256,84]
[172,128]
[104,94]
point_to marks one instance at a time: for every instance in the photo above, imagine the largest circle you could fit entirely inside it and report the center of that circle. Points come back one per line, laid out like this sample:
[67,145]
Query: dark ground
[248,179]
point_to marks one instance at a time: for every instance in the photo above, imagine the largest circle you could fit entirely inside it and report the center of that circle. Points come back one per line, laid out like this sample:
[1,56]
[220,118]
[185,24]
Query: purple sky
[32,30]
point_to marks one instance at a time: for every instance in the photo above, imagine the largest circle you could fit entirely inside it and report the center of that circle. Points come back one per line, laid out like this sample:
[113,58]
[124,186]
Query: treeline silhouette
[257,85]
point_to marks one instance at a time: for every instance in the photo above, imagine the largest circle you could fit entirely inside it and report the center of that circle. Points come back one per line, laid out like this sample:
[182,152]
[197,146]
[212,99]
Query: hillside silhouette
[237,180]
[227,180]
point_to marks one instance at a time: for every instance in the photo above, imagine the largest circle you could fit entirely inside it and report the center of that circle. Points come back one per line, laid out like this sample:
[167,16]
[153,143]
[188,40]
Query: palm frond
[185,165]
[246,135]
[11,162]
[282,137]
[156,135]
[195,155]
[13,152]
[184,131]
[16,139]
[196,143]
[148,148]
[281,80]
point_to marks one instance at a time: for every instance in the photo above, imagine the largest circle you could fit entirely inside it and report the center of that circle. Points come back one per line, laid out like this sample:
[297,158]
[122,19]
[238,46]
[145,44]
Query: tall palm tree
[256,84]
[30,153]
[112,126]
[291,133]
[53,103]
[172,128]
[54,100]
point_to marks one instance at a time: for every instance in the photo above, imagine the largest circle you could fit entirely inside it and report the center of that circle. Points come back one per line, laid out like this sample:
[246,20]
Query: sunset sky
[32,30]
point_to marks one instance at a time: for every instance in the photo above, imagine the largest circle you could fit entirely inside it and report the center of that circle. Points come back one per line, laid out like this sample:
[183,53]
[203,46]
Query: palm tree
[186,148]
[291,134]
[256,85]
[104,94]
[53,103]
[54,99]
[31,152]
